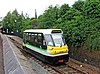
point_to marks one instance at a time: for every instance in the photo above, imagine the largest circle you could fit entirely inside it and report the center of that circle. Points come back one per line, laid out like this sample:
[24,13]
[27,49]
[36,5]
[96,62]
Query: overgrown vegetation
[80,23]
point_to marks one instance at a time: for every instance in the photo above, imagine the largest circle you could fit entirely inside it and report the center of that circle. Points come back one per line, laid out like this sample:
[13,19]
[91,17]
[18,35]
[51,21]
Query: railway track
[67,69]
[71,67]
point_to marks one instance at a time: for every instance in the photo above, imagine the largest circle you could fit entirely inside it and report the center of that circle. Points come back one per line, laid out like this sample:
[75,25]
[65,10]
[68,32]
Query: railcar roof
[44,31]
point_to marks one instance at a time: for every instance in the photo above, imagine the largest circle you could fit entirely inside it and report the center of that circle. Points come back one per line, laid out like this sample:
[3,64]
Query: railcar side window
[40,38]
[29,36]
[32,37]
[24,37]
[35,38]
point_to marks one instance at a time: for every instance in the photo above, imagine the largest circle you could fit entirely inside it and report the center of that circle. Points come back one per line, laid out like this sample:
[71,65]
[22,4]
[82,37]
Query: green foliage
[63,9]
[71,27]
[92,32]
[80,23]
[91,8]
[26,24]
[48,19]
[78,5]
[94,41]
[18,23]
[6,19]
[34,23]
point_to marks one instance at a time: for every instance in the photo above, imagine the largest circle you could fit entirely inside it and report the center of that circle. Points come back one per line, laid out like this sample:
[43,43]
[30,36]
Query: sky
[29,6]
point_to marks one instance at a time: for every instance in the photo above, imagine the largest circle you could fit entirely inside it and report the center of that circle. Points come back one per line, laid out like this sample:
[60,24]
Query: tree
[48,19]
[91,8]
[63,9]
[79,5]
[6,22]
[34,22]
[26,24]
[70,24]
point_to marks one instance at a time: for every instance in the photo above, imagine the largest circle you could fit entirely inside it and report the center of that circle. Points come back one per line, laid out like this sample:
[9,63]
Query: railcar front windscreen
[54,40]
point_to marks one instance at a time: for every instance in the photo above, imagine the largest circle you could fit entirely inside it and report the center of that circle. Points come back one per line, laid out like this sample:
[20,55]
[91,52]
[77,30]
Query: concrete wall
[11,63]
[1,56]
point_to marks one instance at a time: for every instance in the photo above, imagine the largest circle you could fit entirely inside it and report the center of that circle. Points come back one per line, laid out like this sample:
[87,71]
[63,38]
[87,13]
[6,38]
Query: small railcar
[47,45]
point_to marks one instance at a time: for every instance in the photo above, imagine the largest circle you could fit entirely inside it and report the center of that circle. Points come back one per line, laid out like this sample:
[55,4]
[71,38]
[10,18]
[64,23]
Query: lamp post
[7,27]
[16,26]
